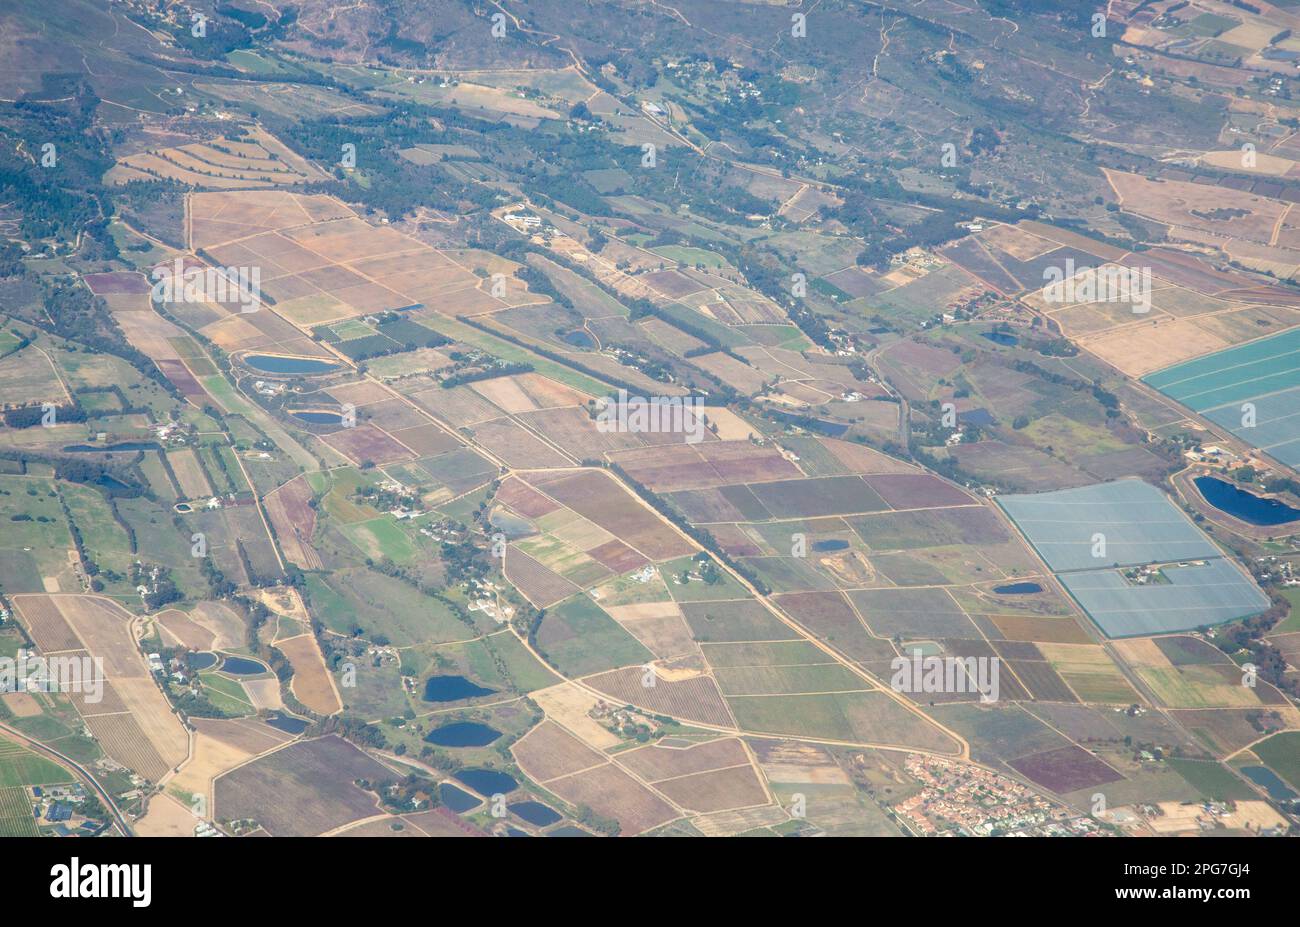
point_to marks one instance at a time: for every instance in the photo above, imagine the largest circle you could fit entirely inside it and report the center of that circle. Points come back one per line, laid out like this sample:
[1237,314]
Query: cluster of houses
[963,799]
[58,807]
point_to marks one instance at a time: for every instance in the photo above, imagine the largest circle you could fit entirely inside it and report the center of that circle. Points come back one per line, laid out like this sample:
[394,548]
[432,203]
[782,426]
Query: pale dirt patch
[211,759]
[548,394]
[1177,818]
[569,705]
[729,823]
[264,693]
[1076,654]
[505,393]
[194,483]
[166,817]
[1253,34]
[1218,210]
[667,638]
[179,627]
[1016,242]
[360,394]
[312,683]
[1143,652]
[1138,350]
[861,459]
[805,775]
[583,534]
[225,625]
[1254,815]
[22,704]
[233,333]
[623,613]
[676,673]
[1268,164]
[285,601]
[731,427]
[851,567]
[105,628]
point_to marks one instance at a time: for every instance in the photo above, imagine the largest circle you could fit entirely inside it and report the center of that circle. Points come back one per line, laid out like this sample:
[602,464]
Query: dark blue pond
[463,734]
[534,812]
[458,800]
[202,661]
[1002,338]
[487,781]
[111,483]
[287,723]
[241,666]
[451,689]
[818,425]
[580,339]
[830,545]
[512,526]
[289,365]
[516,832]
[1238,503]
[981,418]
[319,418]
[1268,780]
[1018,589]
[568,830]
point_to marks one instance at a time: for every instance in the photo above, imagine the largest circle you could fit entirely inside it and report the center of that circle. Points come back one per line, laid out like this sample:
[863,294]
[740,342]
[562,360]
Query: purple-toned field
[1065,769]
[302,790]
[539,585]
[117,282]
[916,491]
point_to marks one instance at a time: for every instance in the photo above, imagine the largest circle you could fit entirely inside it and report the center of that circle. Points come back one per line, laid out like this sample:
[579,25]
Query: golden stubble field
[133,722]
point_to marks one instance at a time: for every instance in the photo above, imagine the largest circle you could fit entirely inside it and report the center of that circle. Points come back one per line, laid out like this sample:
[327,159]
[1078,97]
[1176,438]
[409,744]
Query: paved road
[82,773]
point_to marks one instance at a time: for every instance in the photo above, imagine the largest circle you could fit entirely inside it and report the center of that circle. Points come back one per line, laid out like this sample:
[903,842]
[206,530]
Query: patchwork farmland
[907,542]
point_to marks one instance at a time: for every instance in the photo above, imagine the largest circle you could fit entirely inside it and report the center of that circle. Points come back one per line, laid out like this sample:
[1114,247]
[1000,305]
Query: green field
[382,607]
[777,680]
[16,818]
[19,766]
[1281,753]
[854,717]
[382,537]
[1292,621]
[104,539]
[521,667]
[497,660]
[691,257]
[579,638]
[1212,780]
[696,589]
[226,694]
[512,353]
[35,540]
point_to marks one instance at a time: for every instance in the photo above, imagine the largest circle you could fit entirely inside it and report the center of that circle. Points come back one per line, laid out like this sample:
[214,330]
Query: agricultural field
[1250,390]
[1177,578]
[131,719]
[257,160]
[669,422]
[321,773]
